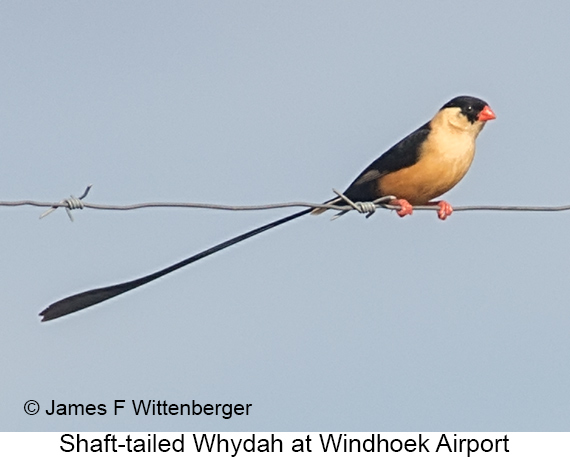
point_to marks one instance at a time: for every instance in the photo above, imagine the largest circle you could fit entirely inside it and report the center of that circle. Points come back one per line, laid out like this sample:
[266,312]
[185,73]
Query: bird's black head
[473,108]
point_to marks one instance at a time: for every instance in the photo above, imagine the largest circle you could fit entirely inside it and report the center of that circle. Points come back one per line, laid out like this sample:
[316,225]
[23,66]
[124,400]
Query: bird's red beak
[487,114]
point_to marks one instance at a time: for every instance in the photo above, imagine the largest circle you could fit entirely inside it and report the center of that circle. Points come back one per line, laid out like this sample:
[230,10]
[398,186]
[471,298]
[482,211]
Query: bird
[422,166]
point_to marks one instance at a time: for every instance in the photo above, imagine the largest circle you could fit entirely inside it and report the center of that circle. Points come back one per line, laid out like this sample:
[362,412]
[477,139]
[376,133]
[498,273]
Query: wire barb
[368,208]
[69,204]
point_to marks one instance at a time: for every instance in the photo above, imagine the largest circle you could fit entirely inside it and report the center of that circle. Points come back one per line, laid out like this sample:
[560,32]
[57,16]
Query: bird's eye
[469,109]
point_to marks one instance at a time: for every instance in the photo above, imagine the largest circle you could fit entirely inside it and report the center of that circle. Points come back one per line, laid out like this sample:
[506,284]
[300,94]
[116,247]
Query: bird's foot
[405,207]
[445,209]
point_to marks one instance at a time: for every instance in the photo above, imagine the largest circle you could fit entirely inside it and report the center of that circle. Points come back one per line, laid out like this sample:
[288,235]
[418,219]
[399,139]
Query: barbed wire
[367,208]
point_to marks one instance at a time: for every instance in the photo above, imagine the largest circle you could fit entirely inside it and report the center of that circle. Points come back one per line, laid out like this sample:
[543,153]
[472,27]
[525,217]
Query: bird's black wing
[403,154]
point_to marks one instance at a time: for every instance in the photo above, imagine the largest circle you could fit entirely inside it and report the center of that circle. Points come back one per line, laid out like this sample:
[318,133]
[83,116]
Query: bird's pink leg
[445,209]
[405,207]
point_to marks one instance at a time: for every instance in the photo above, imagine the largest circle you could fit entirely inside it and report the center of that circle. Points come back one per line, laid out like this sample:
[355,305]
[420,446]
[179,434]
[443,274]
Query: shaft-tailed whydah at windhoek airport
[424,165]
[236,444]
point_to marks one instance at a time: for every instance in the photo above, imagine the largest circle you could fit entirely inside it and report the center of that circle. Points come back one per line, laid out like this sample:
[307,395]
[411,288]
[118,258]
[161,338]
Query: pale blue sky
[384,324]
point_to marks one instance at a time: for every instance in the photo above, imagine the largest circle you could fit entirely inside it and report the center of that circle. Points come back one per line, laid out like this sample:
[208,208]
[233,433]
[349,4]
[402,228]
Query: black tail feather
[83,300]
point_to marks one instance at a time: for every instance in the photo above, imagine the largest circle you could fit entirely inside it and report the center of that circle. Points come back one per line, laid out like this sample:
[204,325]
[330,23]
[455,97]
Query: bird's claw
[445,210]
[405,207]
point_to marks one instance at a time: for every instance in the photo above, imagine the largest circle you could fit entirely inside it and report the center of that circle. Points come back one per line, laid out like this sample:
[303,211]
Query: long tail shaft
[91,297]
